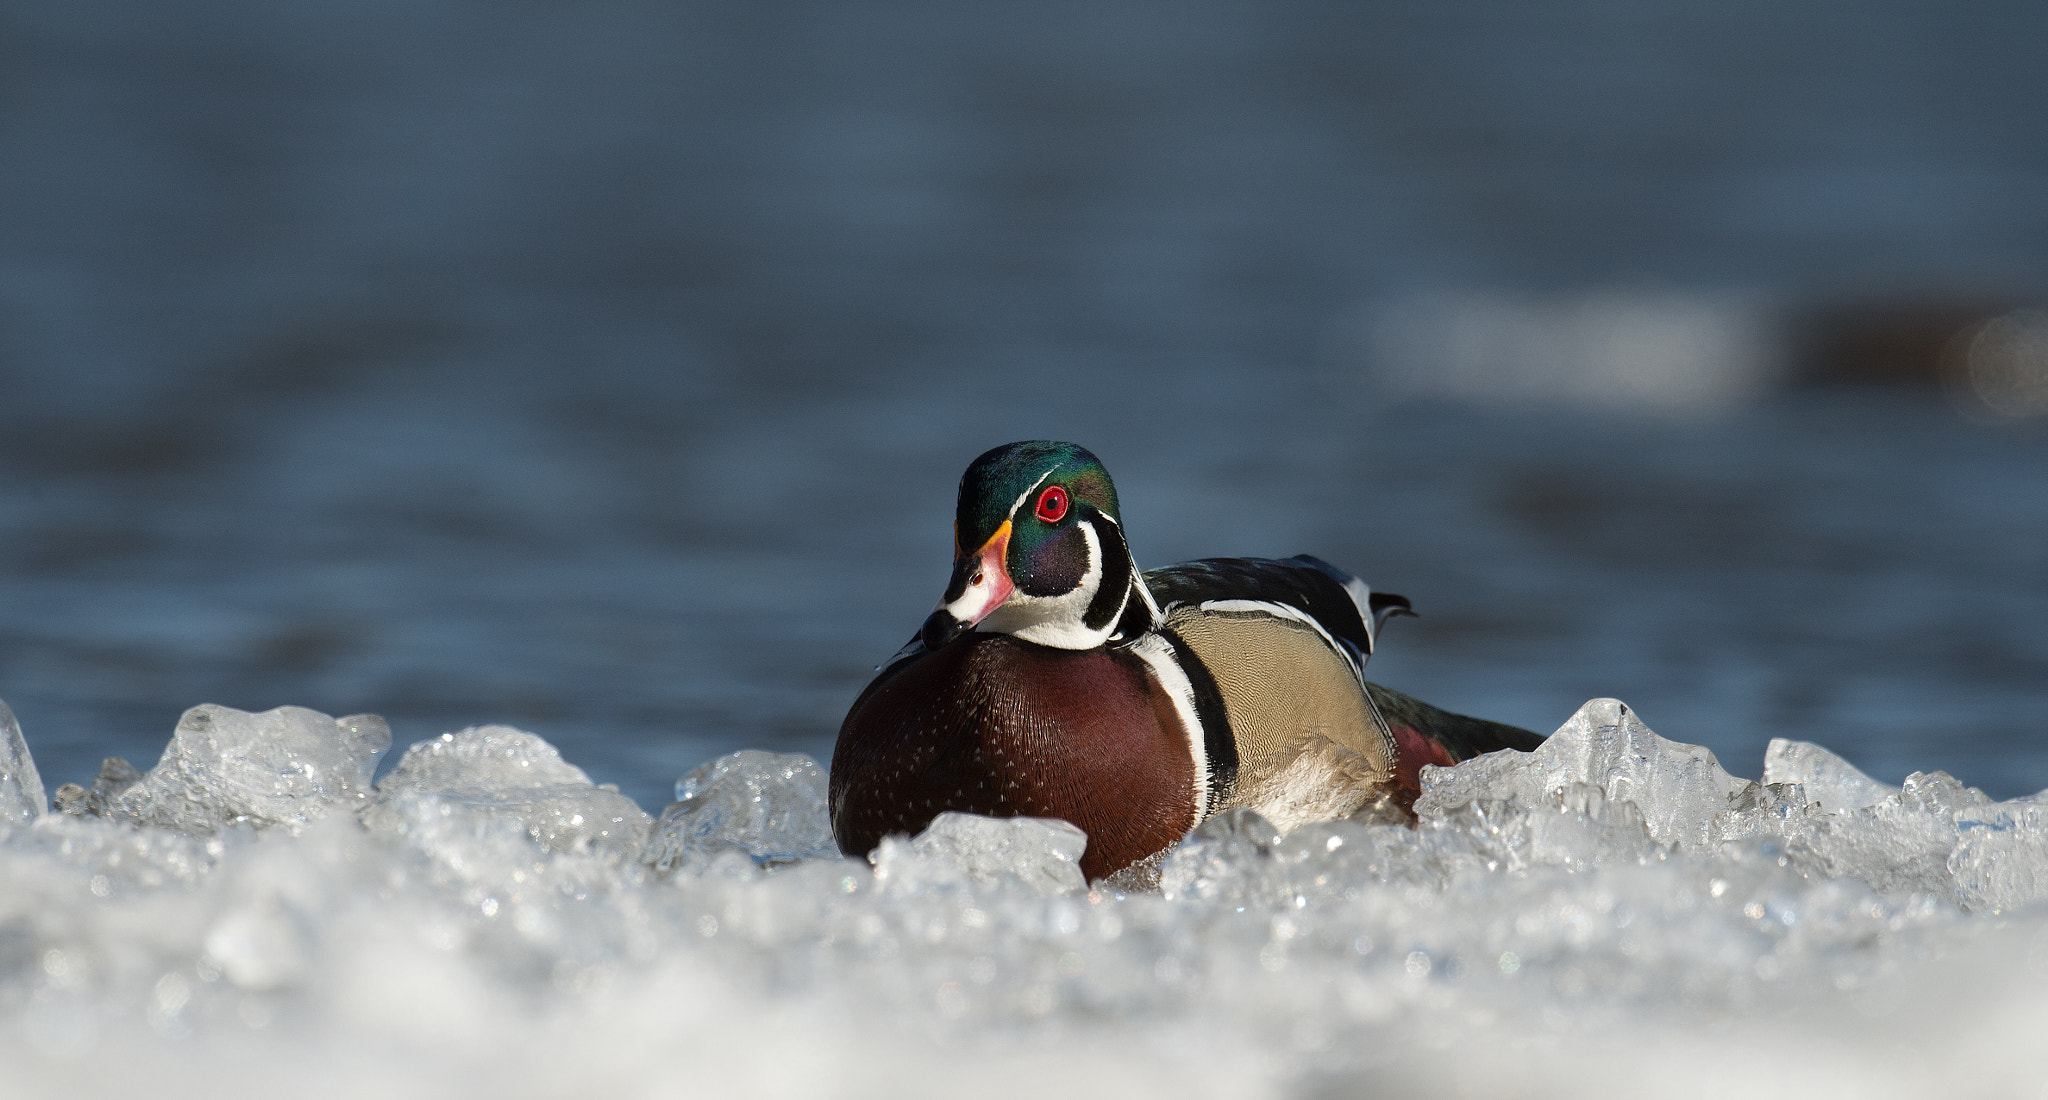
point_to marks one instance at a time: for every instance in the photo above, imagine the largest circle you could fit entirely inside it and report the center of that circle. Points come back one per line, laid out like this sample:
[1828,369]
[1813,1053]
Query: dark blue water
[607,369]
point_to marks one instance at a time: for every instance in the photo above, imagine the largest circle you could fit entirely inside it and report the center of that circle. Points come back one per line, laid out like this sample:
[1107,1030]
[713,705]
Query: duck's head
[1039,553]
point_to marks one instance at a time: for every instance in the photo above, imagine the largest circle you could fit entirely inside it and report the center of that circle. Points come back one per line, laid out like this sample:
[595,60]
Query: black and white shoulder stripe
[1335,602]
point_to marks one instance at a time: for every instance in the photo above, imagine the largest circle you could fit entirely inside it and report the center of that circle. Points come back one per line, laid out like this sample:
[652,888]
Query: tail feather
[1374,608]
[1386,605]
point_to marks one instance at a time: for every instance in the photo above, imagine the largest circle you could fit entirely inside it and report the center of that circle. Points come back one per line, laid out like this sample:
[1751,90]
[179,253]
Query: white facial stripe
[1019,502]
[1158,657]
[1056,620]
[1137,585]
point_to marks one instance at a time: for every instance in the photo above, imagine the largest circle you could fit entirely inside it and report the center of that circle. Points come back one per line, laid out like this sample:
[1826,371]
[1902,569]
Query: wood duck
[1056,680]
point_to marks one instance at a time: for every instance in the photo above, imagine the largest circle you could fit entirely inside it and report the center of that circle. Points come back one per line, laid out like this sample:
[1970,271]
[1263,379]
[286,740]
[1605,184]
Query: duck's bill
[980,584]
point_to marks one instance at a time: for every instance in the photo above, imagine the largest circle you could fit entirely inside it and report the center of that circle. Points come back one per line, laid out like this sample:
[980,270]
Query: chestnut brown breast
[993,725]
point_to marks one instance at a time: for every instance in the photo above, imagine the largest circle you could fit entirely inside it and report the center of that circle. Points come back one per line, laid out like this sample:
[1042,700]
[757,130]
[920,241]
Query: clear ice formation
[1831,783]
[490,783]
[961,851]
[288,766]
[1677,789]
[21,788]
[1612,914]
[766,806]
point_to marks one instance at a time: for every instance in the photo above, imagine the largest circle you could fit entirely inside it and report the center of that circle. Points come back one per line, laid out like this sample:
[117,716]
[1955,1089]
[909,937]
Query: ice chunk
[1588,830]
[1902,842]
[1041,855]
[1336,858]
[1890,846]
[1495,775]
[223,766]
[1227,859]
[1940,793]
[1577,827]
[1679,789]
[21,787]
[1765,810]
[489,781]
[2000,861]
[482,758]
[116,775]
[767,806]
[1832,782]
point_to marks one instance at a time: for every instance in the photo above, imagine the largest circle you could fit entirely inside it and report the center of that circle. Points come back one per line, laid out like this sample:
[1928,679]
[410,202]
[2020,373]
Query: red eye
[1052,504]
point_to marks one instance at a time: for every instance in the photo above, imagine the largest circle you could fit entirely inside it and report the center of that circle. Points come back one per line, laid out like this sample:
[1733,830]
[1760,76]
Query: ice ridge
[1577,921]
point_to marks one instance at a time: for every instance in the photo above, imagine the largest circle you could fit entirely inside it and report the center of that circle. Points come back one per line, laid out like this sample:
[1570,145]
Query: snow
[1613,914]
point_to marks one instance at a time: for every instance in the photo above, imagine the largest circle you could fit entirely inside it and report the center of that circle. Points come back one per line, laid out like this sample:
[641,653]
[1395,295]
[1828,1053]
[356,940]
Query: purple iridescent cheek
[1056,565]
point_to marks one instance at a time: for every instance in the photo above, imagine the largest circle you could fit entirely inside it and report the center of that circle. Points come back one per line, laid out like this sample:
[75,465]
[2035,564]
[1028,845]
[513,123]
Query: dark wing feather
[1312,586]
[1458,736]
[1423,734]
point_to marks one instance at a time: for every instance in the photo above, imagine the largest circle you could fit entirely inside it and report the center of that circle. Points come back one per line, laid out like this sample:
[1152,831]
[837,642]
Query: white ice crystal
[21,788]
[464,788]
[286,766]
[767,806]
[1040,855]
[1997,863]
[1678,789]
[1833,783]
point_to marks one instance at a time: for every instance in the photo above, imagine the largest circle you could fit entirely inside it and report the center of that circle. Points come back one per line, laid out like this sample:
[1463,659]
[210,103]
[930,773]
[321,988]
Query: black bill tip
[939,629]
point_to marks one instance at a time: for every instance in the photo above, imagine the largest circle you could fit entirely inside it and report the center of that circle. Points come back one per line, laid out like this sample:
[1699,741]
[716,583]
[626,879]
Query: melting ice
[1614,914]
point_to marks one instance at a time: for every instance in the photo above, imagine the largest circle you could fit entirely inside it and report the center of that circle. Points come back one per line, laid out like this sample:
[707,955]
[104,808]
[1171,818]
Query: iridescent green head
[999,485]
[1038,550]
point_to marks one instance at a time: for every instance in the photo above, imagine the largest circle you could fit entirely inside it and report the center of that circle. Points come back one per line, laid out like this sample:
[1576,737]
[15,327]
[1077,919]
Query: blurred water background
[607,369]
